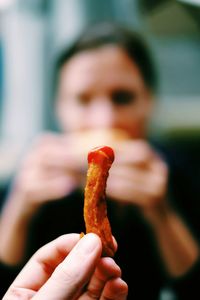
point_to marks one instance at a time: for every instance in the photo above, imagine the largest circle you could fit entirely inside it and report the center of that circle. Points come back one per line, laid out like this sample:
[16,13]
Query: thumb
[74,272]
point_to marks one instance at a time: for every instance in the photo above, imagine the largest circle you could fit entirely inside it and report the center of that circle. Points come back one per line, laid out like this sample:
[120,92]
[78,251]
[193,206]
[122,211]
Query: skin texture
[94,82]
[95,208]
[69,268]
[99,89]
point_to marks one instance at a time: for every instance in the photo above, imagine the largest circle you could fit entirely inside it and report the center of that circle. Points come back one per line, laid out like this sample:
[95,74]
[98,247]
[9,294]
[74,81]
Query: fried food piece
[95,208]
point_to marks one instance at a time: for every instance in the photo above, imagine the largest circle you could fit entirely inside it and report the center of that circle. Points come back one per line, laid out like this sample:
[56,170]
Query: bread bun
[84,141]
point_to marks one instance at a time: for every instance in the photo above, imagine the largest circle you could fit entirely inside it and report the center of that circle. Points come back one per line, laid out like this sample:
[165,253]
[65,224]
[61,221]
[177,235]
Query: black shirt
[137,254]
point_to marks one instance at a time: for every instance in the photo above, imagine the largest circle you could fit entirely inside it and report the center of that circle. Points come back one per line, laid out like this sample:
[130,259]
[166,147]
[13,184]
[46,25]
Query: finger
[105,270]
[49,138]
[135,152]
[51,150]
[158,166]
[129,182]
[130,173]
[53,188]
[44,261]
[56,157]
[115,289]
[39,187]
[143,191]
[65,158]
[74,272]
[138,175]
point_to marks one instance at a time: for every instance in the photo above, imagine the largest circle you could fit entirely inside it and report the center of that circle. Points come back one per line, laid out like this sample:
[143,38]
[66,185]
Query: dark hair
[102,34]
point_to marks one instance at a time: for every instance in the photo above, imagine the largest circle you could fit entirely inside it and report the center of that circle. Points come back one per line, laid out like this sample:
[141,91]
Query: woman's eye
[123,97]
[83,99]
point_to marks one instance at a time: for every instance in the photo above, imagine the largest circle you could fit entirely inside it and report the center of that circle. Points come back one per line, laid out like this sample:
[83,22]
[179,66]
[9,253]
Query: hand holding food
[69,268]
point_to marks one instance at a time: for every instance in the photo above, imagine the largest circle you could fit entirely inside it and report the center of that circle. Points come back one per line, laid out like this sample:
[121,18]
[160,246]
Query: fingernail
[88,243]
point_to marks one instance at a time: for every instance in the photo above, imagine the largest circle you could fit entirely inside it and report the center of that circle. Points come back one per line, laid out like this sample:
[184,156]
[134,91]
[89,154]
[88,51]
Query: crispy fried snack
[95,209]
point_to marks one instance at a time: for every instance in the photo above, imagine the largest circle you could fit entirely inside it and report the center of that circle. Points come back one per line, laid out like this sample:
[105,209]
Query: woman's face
[103,88]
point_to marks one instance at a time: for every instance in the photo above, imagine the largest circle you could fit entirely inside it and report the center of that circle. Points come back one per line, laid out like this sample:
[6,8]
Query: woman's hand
[49,172]
[69,268]
[138,175]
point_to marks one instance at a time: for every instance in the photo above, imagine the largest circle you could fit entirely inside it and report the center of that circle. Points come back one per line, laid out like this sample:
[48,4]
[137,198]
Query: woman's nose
[101,114]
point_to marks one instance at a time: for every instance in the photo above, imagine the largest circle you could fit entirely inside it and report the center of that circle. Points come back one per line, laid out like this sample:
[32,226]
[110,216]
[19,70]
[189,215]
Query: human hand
[57,164]
[50,171]
[138,175]
[69,268]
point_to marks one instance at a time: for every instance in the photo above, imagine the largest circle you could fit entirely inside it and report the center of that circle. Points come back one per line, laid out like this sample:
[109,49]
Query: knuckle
[43,139]
[93,292]
[19,293]
[67,276]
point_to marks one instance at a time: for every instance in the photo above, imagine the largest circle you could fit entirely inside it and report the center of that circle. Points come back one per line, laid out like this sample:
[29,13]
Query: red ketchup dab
[99,154]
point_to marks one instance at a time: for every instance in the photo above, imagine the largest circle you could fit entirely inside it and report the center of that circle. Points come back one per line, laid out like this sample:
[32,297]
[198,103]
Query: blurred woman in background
[106,83]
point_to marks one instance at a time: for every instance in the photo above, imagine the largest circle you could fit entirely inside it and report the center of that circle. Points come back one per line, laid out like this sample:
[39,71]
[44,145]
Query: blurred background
[33,31]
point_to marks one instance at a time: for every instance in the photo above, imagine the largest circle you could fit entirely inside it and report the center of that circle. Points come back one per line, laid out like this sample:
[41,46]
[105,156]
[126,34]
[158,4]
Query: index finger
[135,152]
